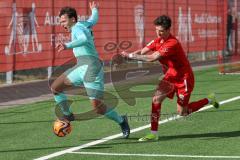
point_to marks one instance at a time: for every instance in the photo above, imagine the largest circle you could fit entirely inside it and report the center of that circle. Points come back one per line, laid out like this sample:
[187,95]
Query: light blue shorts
[88,72]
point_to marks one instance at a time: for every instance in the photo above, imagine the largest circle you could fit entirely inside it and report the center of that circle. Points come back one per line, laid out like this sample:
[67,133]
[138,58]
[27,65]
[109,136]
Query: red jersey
[173,57]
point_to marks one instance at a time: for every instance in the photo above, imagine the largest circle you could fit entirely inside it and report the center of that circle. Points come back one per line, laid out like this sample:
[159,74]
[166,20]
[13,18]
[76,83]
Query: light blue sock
[62,102]
[113,115]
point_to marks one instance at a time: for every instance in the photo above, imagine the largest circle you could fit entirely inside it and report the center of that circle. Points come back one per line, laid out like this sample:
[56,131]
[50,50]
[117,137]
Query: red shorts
[182,86]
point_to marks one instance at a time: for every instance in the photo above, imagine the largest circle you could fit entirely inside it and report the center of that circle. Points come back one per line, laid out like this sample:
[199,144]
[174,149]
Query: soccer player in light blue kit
[89,69]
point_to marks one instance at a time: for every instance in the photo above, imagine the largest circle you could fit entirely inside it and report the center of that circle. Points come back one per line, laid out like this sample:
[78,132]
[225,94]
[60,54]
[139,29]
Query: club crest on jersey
[164,50]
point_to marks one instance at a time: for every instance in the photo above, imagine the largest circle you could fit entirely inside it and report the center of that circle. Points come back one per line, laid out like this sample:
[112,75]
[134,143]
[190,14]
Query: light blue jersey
[89,69]
[82,40]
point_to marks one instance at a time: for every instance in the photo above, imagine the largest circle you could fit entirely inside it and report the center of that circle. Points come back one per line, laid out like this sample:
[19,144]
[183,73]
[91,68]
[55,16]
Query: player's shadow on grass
[98,147]
[25,122]
[215,80]
[36,149]
[217,93]
[203,135]
[219,110]
[29,110]
[133,140]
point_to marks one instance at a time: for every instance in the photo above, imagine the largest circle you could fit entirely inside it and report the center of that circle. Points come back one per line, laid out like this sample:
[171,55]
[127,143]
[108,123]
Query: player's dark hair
[71,12]
[163,21]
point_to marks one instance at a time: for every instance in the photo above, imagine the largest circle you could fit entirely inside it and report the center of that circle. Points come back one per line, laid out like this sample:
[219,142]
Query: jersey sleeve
[151,45]
[80,39]
[93,18]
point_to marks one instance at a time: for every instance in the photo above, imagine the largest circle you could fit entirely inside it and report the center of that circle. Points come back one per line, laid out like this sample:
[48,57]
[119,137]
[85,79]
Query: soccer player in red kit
[177,72]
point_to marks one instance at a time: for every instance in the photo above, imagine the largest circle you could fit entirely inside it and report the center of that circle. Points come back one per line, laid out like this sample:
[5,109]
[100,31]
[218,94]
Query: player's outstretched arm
[148,58]
[93,19]
[142,51]
[145,50]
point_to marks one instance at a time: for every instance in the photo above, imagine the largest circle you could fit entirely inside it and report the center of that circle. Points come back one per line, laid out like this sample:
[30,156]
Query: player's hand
[93,4]
[124,54]
[127,55]
[60,47]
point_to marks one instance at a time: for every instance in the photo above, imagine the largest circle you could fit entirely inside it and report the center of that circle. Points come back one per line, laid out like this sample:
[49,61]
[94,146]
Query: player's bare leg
[58,87]
[182,110]
[196,105]
[164,88]
[101,108]
[60,84]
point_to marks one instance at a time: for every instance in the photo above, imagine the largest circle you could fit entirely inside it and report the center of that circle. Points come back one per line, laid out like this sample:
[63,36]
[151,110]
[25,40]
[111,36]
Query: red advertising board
[29,30]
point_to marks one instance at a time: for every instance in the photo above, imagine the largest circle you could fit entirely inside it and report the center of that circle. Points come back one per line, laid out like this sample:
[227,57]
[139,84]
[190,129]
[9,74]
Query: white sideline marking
[154,155]
[59,153]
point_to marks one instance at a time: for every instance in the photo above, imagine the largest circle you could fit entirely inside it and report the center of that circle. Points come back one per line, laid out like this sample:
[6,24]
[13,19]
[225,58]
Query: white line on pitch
[93,143]
[155,155]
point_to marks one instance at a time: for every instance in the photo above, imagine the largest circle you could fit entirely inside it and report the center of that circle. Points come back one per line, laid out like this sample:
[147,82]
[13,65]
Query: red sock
[156,108]
[194,106]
